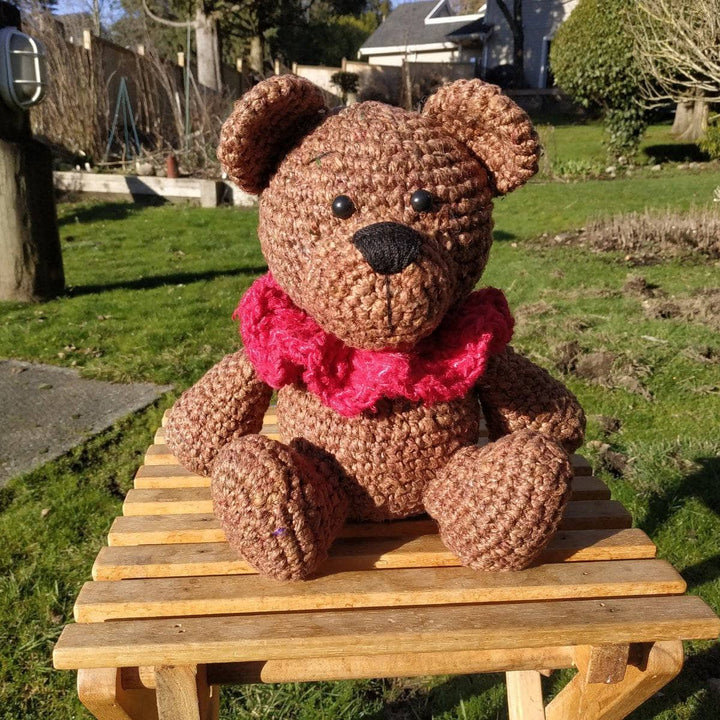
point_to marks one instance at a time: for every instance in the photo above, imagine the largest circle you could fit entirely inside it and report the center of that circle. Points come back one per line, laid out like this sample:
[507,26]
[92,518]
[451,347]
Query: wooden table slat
[217,558]
[173,500]
[187,599]
[168,477]
[237,638]
[176,597]
[204,527]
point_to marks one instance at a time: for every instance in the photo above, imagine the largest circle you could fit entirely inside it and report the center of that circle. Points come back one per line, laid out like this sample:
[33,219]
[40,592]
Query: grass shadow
[703,484]
[447,696]
[413,703]
[105,211]
[156,281]
[675,152]
[702,572]
[503,236]
[697,670]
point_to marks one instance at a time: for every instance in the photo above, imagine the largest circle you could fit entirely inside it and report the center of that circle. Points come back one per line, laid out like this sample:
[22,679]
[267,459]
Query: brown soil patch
[638,286]
[601,367]
[703,354]
[615,462]
[650,237]
[595,365]
[701,307]
[608,425]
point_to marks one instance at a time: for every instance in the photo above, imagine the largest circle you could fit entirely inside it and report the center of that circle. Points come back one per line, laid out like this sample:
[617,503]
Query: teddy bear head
[376,220]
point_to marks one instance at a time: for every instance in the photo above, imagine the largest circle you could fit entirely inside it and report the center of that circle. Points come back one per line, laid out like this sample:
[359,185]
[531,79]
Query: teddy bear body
[387,458]
[376,226]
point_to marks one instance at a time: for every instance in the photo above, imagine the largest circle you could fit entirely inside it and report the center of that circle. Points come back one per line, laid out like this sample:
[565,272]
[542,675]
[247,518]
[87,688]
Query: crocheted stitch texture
[376,225]
[288,346]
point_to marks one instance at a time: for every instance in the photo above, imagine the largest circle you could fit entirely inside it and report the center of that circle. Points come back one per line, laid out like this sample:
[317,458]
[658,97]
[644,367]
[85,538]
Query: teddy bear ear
[264,125]
[497,131]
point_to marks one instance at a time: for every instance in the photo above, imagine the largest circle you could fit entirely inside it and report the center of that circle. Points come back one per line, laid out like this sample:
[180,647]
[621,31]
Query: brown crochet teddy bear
[376,225]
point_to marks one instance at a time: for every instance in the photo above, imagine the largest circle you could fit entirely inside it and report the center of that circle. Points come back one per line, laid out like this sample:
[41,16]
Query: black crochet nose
[388,247]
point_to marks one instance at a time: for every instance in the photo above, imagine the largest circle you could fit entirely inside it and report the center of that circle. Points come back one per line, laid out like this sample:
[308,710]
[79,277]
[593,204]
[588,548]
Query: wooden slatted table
[172,613]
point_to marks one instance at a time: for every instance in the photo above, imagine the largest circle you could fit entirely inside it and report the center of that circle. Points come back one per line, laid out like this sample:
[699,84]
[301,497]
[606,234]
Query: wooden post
[524,694]
[30,258]
[406,85]
[103,694]
[183,693]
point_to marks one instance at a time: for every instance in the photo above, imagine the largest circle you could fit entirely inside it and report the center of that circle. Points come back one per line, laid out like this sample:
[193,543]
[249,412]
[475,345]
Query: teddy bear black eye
[421,201]
[343,207]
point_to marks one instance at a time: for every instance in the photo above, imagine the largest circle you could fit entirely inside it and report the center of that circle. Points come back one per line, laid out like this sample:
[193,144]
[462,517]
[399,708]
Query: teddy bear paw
[280,506]
[498,506]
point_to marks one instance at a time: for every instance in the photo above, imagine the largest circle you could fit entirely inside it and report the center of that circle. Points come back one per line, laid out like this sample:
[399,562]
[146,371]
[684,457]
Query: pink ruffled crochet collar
[287,346]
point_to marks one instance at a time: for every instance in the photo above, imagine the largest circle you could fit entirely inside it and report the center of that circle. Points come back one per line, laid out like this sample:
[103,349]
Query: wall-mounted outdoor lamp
[22,69]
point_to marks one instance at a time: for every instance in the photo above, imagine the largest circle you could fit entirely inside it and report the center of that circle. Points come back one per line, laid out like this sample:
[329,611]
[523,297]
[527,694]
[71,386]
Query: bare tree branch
[678,49]
[164,21]
[506,13]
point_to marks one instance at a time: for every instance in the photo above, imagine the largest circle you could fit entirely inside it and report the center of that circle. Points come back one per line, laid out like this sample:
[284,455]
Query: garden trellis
[131,143]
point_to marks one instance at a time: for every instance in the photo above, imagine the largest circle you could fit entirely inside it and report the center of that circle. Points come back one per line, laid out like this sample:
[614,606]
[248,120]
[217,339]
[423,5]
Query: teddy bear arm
[516,394]
[229,401]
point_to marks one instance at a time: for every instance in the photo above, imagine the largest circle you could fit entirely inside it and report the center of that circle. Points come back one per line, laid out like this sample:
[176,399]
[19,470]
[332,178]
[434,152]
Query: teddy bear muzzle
[388,247]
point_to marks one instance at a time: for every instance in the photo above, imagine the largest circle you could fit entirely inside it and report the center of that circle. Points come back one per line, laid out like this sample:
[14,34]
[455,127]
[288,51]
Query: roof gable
[419,23]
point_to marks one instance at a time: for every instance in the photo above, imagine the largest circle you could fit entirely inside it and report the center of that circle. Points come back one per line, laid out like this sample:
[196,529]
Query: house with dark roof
[431,31]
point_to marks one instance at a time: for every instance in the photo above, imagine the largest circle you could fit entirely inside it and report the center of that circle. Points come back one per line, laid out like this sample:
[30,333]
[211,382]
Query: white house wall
[320,75]
[541,19]
[437,56]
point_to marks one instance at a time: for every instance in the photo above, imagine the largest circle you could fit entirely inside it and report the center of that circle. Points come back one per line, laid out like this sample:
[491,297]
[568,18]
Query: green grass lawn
[581,149]
[151,295]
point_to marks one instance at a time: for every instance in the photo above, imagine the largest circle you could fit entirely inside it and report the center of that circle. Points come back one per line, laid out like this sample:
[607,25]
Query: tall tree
[593,60]
[319,32]
[205,17]
[316,31]
[514,18]
[678,54]
[326,32]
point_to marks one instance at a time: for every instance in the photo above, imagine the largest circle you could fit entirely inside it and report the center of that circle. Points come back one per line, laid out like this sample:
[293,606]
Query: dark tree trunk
[514,20]
[31,267]
[518,45]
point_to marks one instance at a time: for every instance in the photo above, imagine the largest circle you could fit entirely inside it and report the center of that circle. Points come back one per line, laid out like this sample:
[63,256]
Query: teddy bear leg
[498,506]
[281,506]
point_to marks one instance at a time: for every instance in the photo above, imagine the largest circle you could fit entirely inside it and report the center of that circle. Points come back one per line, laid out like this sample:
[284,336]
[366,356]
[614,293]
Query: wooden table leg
[524,695]
[604,663]
[651,666]
[183,693]
[100,690]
